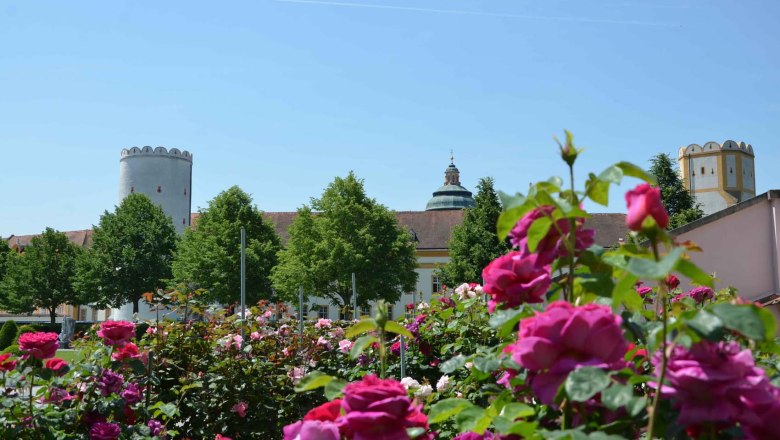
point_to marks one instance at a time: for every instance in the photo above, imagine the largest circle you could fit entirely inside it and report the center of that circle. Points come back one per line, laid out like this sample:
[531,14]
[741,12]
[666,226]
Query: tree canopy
[678,201]
[131,254]
[345,232]
[209,255]
[474,242]
[5,253]
[42,276]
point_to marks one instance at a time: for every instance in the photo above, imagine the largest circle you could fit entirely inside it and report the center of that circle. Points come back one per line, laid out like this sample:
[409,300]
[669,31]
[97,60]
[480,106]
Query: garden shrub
[27,328]
[8,333]
[13,349]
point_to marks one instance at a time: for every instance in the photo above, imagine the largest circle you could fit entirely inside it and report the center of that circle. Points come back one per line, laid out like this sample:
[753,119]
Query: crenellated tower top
[158,151]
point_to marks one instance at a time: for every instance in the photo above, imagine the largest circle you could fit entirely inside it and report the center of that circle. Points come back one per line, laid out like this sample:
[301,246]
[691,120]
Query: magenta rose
[104,431]
[57,365]
[715,382]
[39,345]
[701,293]
[553,244]
[563,338]
[514,279]
[116,333]
[645,201]
[312,430]
[379,409]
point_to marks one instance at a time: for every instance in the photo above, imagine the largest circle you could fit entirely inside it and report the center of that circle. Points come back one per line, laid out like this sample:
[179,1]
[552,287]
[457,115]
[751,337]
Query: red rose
[39,345]
[672,282]
[326,412]
[6,365]
[57,365]
[116,332]
[645,201]
[129,351]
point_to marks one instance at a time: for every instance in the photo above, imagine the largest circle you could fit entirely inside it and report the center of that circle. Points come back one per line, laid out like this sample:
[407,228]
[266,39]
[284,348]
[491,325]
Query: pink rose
[345,345]
[563,338]
[379,409]
[255,336]
[553,244]
[39,345]
[240,409]
[715,382]
[322,323]
[514,279]
[645,201]
[116,333]
[672,282]
[104,431]
[312,430]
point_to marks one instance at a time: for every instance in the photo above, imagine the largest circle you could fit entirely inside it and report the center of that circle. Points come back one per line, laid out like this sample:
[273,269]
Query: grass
[69,355]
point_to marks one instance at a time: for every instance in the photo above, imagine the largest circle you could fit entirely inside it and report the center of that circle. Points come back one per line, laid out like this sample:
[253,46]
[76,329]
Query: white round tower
[165,176]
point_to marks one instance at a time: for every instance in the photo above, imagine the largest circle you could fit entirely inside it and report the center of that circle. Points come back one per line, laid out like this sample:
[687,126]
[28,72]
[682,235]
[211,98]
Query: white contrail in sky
[480,13]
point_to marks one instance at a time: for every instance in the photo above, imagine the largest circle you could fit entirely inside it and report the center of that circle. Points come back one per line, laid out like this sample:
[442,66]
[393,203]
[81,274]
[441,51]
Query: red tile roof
[431,229]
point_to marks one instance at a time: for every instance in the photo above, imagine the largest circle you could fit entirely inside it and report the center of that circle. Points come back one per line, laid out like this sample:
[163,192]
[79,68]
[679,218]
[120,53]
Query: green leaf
[394,327]
[646,268]
[516,410]
[474,419]
[444,409]
[751,321]
[636,405]
[625,294]
[632,170]
[613,174]
[360,345]
[487,364]
[334,388]
[453,364]
[617,396]
[692,271]
[584,383]
[508,218]
[505,321]
[600,284]
[509,202]
[365,325]
[597,190]
[538,230]
[312,381]
[707,325]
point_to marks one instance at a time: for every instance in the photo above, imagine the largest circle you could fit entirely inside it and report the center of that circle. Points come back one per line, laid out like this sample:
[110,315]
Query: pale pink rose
[345,345]
[325,343]
[322,323]
[255,336]
[240,409]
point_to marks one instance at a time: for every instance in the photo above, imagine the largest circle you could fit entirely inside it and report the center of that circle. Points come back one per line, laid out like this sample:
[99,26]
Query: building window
[390,308]
[702,172]
[365,310]
[185,191]
[345,313]
[322,311]
[436,285]
[159,189]
[132,189]
[731,170]
[712,170]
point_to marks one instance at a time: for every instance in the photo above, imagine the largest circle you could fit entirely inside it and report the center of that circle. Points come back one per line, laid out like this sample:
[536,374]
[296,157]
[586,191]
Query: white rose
[424,391]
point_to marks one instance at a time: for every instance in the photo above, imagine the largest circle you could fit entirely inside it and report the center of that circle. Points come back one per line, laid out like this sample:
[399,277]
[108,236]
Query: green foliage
[474,242]
[27,328]
[131,254]
[8,334]
[42,276]
[679,202]
[350,233]
[13,349]
[209,255]
[5,253]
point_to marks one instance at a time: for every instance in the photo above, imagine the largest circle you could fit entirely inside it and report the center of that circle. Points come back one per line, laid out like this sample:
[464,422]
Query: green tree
[5,253]
[679,202]
[209,255]
[474,242]
[131,254]
[42,276]
[348,233]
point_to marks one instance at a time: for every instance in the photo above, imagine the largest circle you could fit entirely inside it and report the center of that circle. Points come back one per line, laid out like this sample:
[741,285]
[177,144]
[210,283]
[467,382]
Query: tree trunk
[135,304]
[53,315]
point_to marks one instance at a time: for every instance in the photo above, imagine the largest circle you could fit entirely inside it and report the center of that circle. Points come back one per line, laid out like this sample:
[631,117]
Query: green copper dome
[451,195]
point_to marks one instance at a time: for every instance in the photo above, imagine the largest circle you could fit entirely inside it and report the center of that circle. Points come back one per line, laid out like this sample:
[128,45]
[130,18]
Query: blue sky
[279,97]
